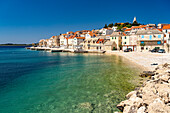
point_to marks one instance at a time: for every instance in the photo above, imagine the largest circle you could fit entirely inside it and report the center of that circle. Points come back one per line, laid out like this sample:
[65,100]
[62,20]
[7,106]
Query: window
[112,37]
[125,42]
[150,37]
[142,36]
[115,37]
[158,42]
[125,37]
[166,31]
[159,36]
[142,42]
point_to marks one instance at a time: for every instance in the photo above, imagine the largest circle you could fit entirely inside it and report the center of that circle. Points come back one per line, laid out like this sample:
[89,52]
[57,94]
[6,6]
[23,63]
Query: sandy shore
[144,59]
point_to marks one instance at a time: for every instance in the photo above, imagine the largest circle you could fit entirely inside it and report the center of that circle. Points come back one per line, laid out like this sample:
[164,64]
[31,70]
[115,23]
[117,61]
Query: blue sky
[28,21]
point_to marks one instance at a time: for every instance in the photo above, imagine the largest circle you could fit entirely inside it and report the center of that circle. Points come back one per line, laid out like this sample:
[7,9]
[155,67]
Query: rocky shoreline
[153,96]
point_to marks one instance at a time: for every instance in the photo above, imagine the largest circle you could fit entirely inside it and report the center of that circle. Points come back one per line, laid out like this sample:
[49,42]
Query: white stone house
[129,41]
[166,31]
[106,31]
[149,39]
[114,28]
[63,41]
[90,35]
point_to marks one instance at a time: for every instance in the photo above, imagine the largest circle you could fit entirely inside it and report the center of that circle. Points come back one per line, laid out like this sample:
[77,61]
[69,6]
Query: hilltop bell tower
[134,19]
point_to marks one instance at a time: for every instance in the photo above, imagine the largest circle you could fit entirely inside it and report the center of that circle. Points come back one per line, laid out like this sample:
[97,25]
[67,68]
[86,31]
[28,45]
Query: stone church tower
[134,19]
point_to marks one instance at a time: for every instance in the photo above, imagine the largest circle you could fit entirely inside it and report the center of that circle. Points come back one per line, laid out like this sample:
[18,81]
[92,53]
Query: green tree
[135,23]
[110,25]
[115,24]
[126,23]
[105,26]
[120,46]
[119,27]
[129,26]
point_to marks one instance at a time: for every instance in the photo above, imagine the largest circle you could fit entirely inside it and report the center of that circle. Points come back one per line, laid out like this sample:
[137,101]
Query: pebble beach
[144,59]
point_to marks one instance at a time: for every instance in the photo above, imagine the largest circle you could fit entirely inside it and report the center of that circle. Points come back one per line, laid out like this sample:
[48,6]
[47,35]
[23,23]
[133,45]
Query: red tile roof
[166,26]
[70,32]
[124,34]
[128,29]
[80,37]
[141,26]
[109,28]
[100,40]
[71,37]
[92,34]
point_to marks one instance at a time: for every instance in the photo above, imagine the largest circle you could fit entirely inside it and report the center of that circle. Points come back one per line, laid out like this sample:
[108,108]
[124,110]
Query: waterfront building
[166,31]
[109,45]
[78,41]
[56,41]
[50,42]
[149,39]
[129,41]
[116,37]
[63,41]
[90,35]
[74,41]
[90,44]
[42,43]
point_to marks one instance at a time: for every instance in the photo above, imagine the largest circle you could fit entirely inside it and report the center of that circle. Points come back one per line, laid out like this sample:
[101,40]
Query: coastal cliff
[153,96]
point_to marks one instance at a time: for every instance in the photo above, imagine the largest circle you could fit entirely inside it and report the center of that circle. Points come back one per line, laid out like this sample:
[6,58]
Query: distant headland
[11,44]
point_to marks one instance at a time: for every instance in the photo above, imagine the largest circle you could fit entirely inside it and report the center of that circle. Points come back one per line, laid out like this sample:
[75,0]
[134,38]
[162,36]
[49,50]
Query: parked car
[128,50]
[154,50]
[161,51]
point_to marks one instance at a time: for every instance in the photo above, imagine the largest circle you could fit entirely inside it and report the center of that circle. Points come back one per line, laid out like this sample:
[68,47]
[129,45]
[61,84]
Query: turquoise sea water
[43,82]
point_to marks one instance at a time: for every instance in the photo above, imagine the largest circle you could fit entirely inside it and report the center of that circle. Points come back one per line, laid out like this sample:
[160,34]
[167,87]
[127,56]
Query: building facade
[149,39]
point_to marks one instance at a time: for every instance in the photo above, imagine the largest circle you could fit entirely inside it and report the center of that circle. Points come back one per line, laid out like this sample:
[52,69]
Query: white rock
[130,94]
[141,109]
[158,107]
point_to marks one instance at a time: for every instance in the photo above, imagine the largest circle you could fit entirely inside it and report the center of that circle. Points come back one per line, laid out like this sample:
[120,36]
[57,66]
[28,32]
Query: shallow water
[43,82]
